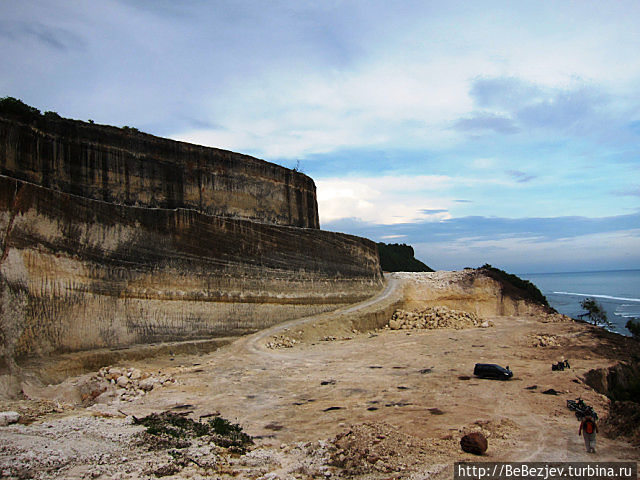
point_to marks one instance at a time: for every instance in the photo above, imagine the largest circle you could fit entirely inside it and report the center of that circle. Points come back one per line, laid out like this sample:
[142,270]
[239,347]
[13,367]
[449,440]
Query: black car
[491,370]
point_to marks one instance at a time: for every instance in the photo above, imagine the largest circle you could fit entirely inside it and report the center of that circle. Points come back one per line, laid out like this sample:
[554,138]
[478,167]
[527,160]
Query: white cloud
[383,200]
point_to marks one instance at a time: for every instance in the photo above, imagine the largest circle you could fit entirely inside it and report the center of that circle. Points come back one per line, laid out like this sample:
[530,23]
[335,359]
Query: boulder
[147,384]
[7,418]
[122,381]
[475,443]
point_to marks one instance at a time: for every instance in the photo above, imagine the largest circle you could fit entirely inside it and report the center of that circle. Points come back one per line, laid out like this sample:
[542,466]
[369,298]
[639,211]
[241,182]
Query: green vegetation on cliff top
[17,109]
[528,288]
[396,257]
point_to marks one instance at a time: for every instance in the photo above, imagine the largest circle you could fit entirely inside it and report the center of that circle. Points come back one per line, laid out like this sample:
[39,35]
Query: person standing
[588,429]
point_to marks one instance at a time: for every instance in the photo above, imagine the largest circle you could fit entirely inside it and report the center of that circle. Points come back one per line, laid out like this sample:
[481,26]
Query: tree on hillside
[594,312]
[633,325]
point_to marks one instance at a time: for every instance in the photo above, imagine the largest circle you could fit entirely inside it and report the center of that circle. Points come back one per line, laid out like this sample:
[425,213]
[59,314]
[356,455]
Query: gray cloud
[525,105]
[520,177]
[433,211]
[478,227]
[486,121]
[506,93]
[631,192]
[51,37]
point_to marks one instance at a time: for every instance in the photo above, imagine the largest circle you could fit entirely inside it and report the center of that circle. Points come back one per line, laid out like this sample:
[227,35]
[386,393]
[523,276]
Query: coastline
[618,291]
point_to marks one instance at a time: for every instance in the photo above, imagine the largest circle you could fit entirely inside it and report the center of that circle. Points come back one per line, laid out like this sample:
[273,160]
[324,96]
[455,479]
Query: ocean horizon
[618,291]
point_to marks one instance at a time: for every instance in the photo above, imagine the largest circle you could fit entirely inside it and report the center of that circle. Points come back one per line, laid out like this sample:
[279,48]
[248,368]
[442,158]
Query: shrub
[16,108]
[633,325]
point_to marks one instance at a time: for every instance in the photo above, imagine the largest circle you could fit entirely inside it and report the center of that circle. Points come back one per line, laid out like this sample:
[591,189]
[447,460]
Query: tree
[594,312]
[633,325]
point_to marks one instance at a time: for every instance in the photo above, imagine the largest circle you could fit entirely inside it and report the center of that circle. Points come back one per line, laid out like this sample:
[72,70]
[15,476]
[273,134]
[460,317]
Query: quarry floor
[404,398]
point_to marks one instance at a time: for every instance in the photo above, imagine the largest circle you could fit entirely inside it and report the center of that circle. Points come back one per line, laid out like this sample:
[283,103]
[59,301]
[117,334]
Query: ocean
[617,291]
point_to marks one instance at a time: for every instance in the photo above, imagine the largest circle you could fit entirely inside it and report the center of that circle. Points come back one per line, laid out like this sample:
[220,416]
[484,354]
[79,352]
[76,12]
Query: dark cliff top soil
[126,137]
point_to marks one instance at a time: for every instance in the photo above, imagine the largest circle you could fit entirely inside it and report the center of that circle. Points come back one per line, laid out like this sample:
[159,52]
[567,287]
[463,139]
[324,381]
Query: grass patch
[174,429]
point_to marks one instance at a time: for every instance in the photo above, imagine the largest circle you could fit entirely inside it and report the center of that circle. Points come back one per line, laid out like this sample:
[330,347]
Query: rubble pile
[541,340]
[553,318]
[375,447]
[435,317]
[281,341]
[122,384]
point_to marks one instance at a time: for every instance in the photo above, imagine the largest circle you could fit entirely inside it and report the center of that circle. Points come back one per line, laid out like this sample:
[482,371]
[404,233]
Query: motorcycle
[581,409]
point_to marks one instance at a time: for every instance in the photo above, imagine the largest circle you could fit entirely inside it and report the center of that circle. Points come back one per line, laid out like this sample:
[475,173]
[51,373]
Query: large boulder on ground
[7,418]
[475,443]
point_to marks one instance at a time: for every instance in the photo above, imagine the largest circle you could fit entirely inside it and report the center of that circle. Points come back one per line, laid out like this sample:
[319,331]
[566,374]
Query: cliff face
[95,252]
[131,168]
[471,291]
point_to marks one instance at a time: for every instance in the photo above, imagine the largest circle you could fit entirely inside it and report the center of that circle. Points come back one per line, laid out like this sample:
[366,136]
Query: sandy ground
[398,402]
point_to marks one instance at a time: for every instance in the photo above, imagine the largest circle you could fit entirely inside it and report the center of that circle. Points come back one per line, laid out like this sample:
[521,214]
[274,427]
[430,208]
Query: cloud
[521,177]
[386,199]
[486,121]
[433,211]
[52,37]
[520,245]
[615,250]
[504,93]
[630,192]
[514,104]
[473,228]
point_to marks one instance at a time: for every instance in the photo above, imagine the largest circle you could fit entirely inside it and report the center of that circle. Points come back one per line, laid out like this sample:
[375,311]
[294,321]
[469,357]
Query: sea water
[617,291]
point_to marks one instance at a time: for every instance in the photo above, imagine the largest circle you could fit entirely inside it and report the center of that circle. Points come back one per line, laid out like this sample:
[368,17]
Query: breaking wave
[607,297]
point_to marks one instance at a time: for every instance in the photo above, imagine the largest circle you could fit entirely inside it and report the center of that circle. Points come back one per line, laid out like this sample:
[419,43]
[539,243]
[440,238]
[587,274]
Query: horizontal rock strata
[85,274]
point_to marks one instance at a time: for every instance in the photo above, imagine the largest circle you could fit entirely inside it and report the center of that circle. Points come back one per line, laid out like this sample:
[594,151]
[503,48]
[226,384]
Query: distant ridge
[395,257]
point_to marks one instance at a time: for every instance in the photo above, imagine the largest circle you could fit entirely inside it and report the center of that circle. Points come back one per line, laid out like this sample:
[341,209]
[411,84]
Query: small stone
[7,418]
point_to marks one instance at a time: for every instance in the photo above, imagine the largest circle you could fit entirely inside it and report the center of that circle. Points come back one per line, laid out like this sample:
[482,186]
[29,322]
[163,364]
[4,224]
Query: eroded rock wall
[127,167]
[79,273]
[467,290]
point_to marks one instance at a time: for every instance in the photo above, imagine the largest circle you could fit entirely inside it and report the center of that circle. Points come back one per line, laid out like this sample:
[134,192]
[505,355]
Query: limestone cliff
[127,167]
[477,291]
[111,238]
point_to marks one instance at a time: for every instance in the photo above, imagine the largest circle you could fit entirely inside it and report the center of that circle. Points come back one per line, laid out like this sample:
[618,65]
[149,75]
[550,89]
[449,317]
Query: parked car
[491,370]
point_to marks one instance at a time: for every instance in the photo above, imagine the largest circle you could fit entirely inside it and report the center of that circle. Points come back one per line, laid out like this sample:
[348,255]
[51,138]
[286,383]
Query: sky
[479,132]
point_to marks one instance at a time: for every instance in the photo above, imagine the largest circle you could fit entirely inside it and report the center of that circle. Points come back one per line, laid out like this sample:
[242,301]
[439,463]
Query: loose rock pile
[121,383]
[281,341]
[435,317]
[542,340]
[375,447]
[553,318]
